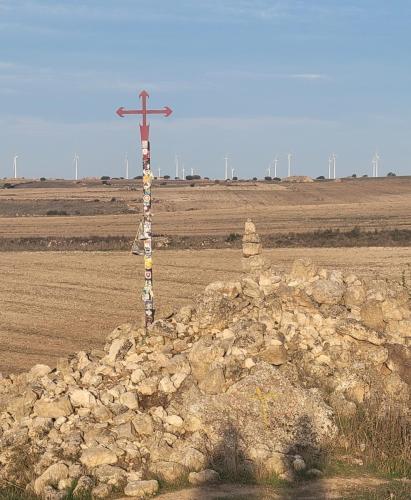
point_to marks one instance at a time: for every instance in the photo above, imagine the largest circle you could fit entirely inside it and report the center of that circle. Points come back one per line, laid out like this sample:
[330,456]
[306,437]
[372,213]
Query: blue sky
[251,78]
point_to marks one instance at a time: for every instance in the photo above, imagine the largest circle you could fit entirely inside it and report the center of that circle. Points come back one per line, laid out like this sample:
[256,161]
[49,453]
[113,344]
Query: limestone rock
[109,474]
[327,291]
[53,409]
[93,457]
[303,269]
[170,472]
[141,489]
[83,486]
[82,398]
[205,476]
[214,382]
[50,477]
[372,315]
[275,355]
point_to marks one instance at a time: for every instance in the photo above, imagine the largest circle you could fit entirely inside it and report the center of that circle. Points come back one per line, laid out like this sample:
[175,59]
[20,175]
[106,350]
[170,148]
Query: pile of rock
[245,381]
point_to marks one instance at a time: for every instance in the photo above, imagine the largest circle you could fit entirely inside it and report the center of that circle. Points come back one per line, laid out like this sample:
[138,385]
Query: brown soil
[217,209]
[329,488]
[54,303]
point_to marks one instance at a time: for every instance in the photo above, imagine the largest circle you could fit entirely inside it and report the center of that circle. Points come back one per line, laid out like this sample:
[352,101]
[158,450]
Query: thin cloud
[259,76]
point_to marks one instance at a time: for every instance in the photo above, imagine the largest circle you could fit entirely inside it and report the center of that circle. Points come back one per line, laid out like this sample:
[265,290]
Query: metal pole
[147,294]
[145,230]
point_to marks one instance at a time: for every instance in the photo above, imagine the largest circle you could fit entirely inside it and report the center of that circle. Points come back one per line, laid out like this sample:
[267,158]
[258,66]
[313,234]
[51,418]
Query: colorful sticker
[148,262]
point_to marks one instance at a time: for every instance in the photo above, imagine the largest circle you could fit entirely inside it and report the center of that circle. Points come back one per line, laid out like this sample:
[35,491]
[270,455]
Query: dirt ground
[205,208]
[54,303]
[363,487]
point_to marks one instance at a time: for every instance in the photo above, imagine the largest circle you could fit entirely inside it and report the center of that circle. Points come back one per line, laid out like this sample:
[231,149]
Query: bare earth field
[206,208]
[54,303]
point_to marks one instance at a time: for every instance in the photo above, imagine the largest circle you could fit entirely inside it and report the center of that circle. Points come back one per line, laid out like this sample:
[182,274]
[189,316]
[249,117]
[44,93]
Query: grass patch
[381,439]
[395,490]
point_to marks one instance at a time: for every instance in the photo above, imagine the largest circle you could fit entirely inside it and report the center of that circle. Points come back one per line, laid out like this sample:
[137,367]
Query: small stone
[50,477]
[93,457]
[372,315]
[109,474]
[101,491]
[143,424]
[205,476]
[174,420]
[214,382]
[130,400]
[299,464]
[82,398]
[39,371]
[141,489]
[53,409]
[137,376]
[274,354]
[84,485]
[169,472]
[166,385]
[327,291]
[249,363]
[314,473]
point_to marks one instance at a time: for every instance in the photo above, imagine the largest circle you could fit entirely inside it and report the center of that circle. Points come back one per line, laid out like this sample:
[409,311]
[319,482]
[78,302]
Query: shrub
[320,178]
[42,179]
[232,237]
[267,178]
[391,174]
[56,212]
[105,178]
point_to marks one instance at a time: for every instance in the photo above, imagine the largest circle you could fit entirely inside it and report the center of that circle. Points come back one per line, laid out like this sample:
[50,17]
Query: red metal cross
[144,127]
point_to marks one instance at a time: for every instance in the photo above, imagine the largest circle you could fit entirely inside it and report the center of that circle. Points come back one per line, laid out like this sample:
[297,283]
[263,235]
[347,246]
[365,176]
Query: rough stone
[50,477]
[141,489]
[93,457]
[275,355]
[205,476]
[53,409]
[327,291]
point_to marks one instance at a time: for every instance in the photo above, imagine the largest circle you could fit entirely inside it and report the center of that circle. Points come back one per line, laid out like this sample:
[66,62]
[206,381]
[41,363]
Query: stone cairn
[246,381]
[252,260]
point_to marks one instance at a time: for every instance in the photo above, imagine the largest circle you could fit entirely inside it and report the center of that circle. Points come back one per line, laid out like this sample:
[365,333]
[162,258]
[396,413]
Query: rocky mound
[246,380]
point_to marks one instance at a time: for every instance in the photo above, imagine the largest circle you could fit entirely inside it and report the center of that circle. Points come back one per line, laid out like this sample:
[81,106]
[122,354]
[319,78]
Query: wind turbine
[269,170]
[375,164]
[232,173]
[226,167]
[184,175]
[334,158]
[330,160]
[192,171]
[15,166]
[159,172]
[289,156]
[176,162]
[75,161]
[126,163]
[275,166]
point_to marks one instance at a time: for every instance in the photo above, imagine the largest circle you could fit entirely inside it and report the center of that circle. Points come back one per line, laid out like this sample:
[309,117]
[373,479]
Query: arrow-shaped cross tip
[120,112]
[143,93]
[167,111]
